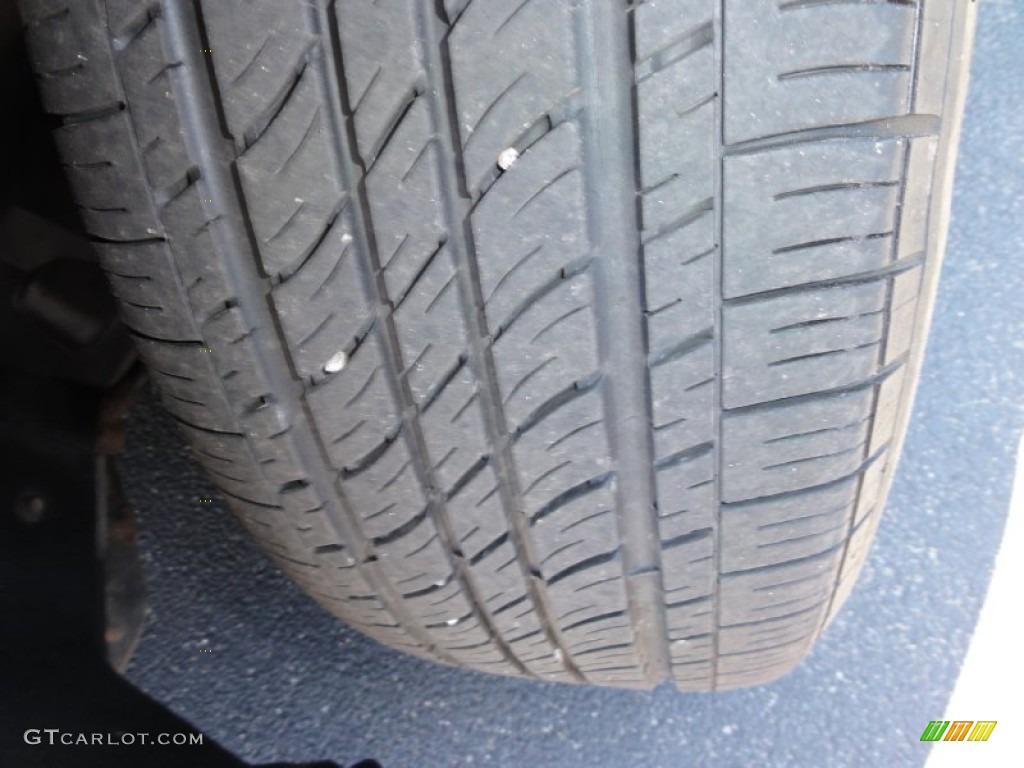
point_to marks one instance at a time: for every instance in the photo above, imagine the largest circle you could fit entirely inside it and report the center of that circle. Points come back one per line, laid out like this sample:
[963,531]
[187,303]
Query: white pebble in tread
[507,158]
[336,363]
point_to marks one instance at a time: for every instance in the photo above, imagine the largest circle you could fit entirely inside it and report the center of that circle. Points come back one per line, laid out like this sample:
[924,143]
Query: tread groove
[718,302]
[607,60]
[839,391]
[885,129]
[793,5]
[583,565]
[868,276]
[570,495]
[818,188]
[830,241]
[841,69]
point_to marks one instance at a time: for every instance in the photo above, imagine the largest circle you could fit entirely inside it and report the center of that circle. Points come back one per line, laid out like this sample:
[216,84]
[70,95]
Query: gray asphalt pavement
[285,681]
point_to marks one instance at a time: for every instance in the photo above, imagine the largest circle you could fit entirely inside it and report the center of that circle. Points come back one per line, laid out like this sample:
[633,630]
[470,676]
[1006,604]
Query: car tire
[567,340]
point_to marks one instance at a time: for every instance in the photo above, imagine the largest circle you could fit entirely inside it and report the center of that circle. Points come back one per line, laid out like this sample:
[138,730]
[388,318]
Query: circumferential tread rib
[427,473]
[202,133]
[456,210]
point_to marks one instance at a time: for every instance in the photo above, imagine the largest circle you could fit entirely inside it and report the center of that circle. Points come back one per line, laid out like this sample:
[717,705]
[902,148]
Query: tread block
[68,53]
[258,411]
[454,429]
[147,83]
[754,638]
[395,137]
[230,462]
[759,459]
[576,530]
[686,494]
[497,565]
[511,68]
[683,400]
[661,25]
[686,567]
[829,63]
[554,458]
[264,419]
[531,225]
[34,12]
[185,372]
[206,284]
[676,104]
[257,49]
[387,494]
[677,138]
[481,531]
[110,186]
[379,86]
[477,518]
[679,274]
[692,675]
[324,306]
[887,406]
[125,16]
[856,556]
[809,213]
[693,649]
[758,667]
[906,289]
[599,585]
[367,415]
[779,590]
[144,277]
[418,563]
[430,328]
[914,228]
[687,620]
[402,188]
[550,346]
[292,200]
[814,340]
[769,532]
[313,529]
[675,91]
[870,498]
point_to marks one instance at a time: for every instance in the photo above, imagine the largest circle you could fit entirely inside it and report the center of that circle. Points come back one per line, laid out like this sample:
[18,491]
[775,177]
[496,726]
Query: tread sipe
[569,340]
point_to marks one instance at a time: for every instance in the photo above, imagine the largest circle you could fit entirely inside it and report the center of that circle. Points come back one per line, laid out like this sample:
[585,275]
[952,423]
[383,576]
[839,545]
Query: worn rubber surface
[620,406]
